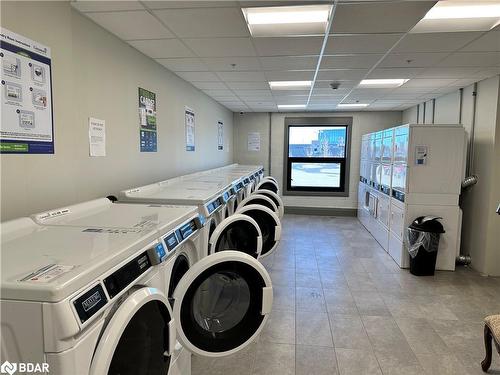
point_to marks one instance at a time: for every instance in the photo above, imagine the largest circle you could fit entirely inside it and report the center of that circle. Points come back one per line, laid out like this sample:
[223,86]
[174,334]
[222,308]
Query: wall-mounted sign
[190,123]
[27,123]
[147,119]
[253,141]
[97,137]
[220,135]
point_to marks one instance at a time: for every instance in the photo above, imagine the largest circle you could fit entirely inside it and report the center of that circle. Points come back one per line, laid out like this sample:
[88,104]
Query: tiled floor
[342,306]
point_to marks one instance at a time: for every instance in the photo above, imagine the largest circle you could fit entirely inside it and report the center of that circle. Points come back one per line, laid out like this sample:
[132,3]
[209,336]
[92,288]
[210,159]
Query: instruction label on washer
[47,273]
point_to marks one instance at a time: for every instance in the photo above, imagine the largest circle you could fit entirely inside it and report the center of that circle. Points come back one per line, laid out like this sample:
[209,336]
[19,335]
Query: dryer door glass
[268,185]
[238,233]
[262,200]
[222,303]
[275,198]
[269,225]
[139,338]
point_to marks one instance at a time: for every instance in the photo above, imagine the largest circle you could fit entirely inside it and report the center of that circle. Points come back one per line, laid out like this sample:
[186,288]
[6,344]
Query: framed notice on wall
[220,135]
[27,116]
[190,122]
[147,120]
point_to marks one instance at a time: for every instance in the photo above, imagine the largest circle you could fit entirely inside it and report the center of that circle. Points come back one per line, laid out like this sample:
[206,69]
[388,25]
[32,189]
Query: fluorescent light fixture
[352,105]
[291,106]
[453,16]
[289,85]
[287,20]
[382,83]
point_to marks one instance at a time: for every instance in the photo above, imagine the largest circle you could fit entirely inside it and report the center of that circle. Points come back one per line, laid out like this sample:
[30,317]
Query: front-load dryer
[97,303]
[262,200]
[268,184]
[275,198]
[207,197]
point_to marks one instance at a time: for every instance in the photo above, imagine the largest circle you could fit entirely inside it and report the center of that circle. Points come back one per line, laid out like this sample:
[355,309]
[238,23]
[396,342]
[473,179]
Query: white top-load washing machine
[93,300]
[239,231]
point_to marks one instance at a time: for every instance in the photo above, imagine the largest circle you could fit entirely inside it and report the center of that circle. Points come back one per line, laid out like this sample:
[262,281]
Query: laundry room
[251,187]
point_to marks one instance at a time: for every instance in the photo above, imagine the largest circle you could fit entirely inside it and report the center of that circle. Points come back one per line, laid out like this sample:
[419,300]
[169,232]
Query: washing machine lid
[275,198]
[139,338]
[260,199]
[269,224]
[222,303]
[237,232]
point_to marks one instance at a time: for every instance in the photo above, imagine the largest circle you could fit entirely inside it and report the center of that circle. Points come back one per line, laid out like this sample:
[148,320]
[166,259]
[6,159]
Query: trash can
[423,243]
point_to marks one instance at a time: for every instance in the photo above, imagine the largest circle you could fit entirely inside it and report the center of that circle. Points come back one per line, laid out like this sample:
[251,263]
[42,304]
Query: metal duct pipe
[471,179]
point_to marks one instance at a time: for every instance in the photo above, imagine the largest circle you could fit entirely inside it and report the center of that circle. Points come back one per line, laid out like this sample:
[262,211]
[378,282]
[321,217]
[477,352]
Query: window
[317,155]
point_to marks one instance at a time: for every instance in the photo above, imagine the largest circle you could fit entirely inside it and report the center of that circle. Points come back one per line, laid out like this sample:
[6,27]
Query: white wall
[363,122]
[95,74]
[480,225]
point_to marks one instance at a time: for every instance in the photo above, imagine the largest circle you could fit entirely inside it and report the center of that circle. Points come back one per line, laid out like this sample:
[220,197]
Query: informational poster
[190,122]
[147,119]
[97,137]
[220,135]
[27,123]
[253,141]
[421,153]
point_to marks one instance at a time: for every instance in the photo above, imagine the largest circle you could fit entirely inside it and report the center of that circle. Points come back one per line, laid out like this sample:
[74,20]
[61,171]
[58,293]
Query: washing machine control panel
[215,204]
[227,195]
[239,186]
[246,181]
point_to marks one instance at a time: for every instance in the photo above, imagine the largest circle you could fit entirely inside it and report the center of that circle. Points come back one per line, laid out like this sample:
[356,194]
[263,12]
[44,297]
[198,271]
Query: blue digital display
[171,241]
[188,229]
[160,251]
[239,186]
[246,181]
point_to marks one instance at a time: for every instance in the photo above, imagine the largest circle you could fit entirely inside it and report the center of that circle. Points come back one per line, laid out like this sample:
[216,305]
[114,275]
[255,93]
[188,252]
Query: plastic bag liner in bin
[424,232]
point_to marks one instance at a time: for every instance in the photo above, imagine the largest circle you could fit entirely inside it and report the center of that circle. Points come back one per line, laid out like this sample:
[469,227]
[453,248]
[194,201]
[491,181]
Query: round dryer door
[275,198]
[268,185]
[222,303]
[269,225]
[261,200]
[237,232]
[179,269]
[139,338]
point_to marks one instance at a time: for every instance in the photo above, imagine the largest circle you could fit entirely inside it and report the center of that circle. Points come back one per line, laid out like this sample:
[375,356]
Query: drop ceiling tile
[106,6]
[364,43]
[461,72]
[324,100]
[387,73]
[198,76]
[162,48]
[158,4]
[209,85]
[434,42]
[253,93]
[464,82]
[204,22]
[339,93]
[273,3]
[266,108]
[226,98]
[414,90]
[232,63]
[291,100]
[358,61]
[291,46]
[471,59]
[277,93]
[290,75]
[379,17]
[428,82]
[218,92]
[130,25]
[183,64]
[488,42]
[221,47]
[242,76]
[412,60]
[343,84]
[289,62]
[343,74]
[248,85]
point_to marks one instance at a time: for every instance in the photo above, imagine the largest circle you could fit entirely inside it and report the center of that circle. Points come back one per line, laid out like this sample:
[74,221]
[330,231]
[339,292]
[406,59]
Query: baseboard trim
[321,211]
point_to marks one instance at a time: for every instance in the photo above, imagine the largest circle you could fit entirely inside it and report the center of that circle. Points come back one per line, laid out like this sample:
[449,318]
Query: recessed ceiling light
[289,85]
[452,15]
[352,105]
[382,83]
[287,20]
[291,106]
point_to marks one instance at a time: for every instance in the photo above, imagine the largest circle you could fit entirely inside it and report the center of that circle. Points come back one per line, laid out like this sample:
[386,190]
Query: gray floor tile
[283,298]
[310,299]
[309,279]
[370,303]
[348,332]
[314,360]
[340,301]
[280,327]
[273,359]
[357,362]
[313,328]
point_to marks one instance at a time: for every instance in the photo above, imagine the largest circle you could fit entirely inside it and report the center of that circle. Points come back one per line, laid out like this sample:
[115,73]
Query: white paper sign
[421,154]
[97,137]
[253,141]
[190,128]
[220,135]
